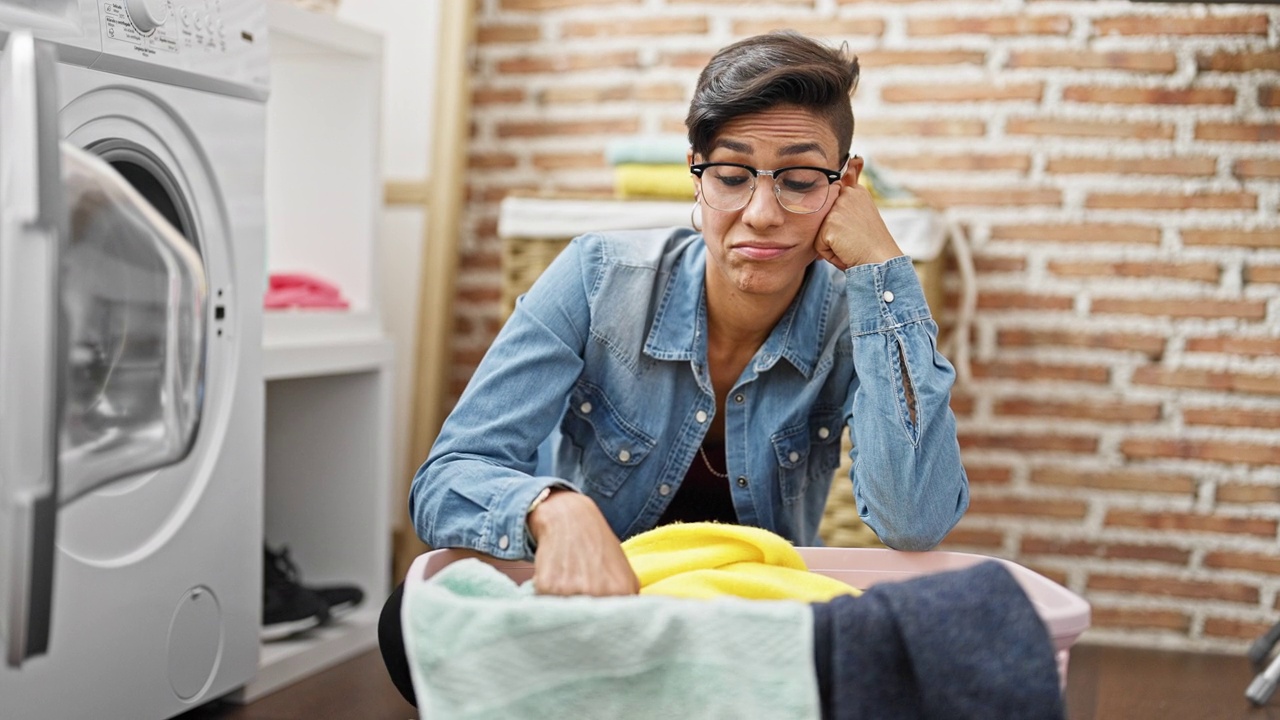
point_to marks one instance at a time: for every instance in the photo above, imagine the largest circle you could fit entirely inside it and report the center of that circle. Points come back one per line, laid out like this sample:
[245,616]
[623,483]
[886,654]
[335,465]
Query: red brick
[817,27]
[1032,545]
[497,96]
[1126,480]
[491,34]
[960,92]
[888,126]
[1186,522]
[989,197]
[1170,201]
[993,300]
[990,25]
[1269,96]
[696,59]
[1253,562]
[491,160]
[1227,61]
[564,62]
[961,404]
[1022,507]
[972,537]
[612,93]
[1188,25]
[1149,96]
[1119,412]
[1088,233]
[1194,379]
[1262,274]
[1248,494]
[1138,619]
[1156,62]
[1238,132]
[1037,371]
[989,264]
[1050,442]
[1235,345]
[988,474]
[665,26]
[968,162]
[1174,587]
[1257,168]
[899,58]
[568,160]
[1203,307]
[1181,166]
[537,5]
[1086,128]
[1150,345]
[1213,450]
[547,128]
[1268,238]
[1055,574]
[1202,271]
[1232,417]
[1234,628]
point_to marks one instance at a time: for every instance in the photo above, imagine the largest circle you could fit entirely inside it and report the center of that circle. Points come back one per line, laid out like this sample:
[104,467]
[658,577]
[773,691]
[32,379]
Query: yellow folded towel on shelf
[638,180]
[707,560]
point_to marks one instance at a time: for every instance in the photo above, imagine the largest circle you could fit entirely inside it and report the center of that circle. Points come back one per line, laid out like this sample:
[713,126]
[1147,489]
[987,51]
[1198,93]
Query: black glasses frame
[832,177]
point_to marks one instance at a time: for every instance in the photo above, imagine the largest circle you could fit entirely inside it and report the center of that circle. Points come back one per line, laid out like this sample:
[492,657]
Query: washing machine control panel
[224,40]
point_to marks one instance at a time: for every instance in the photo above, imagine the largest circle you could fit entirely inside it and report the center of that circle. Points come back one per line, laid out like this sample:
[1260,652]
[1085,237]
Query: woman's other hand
[578,554]
[853,232]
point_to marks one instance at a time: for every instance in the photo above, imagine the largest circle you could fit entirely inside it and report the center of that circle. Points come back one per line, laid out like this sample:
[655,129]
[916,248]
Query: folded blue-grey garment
[960,645]
[648,150]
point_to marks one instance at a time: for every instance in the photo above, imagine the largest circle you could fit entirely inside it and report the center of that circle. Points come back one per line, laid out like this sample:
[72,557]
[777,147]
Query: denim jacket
[609,348]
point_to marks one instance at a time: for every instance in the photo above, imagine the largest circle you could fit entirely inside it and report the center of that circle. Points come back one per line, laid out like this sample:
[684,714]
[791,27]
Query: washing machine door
[102,337]
[31,220]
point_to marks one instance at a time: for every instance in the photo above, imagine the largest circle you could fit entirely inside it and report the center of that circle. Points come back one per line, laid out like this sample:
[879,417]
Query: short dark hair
[765,71]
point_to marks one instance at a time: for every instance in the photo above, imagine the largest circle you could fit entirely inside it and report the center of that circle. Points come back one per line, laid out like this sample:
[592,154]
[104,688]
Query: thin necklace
[722,475]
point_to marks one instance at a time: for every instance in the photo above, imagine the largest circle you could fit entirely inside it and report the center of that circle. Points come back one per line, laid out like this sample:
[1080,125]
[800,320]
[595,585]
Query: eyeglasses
[800,189]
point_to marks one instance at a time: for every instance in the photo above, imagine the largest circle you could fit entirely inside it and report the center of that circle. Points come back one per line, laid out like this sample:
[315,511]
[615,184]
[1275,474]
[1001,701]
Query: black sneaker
[341,599]
[288,608]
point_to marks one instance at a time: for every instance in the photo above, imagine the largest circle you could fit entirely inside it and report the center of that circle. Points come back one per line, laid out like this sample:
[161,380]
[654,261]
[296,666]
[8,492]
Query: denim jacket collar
[678,331]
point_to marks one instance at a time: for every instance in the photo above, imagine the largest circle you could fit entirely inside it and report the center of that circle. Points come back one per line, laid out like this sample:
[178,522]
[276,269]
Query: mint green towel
[479,646]
[648,150]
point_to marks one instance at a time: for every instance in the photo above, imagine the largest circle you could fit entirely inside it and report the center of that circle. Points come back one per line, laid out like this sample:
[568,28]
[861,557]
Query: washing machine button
[147,15]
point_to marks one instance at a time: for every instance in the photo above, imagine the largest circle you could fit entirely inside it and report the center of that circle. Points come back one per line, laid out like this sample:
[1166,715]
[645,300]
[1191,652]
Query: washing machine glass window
[134,295]
[148,175]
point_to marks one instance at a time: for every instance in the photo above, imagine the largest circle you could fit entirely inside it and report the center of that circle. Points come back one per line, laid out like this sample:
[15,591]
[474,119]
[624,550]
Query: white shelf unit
[328,373]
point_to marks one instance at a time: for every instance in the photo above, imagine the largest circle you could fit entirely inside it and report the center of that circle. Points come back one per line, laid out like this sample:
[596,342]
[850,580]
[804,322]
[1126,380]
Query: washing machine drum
[133,305]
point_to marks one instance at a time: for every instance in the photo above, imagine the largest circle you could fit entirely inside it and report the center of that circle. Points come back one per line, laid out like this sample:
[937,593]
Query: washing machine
[132,229]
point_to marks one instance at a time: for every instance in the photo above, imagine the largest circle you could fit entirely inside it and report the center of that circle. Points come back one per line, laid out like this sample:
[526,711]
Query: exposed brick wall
[1117,167]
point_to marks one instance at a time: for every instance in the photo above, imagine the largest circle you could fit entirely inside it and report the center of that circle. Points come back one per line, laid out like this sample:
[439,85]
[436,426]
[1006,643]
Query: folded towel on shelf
[958,645]
[706,560]
[302,290]
[648,150]
[479,646]
[633,180]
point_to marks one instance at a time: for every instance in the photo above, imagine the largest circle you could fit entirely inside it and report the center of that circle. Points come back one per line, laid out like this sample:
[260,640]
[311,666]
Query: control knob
[147,15]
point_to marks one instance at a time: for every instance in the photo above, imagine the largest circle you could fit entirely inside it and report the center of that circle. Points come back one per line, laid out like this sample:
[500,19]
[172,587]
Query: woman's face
[764,249]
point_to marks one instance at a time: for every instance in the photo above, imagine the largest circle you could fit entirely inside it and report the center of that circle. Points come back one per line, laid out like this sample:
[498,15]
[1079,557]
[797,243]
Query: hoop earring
[697,205]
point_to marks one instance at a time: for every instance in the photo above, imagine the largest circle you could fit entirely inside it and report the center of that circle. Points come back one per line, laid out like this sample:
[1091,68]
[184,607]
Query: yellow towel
[637,180]
[706,560]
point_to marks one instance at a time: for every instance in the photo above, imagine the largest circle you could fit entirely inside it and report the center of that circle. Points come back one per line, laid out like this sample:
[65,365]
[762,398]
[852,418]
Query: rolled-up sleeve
[476,485]
[909,483]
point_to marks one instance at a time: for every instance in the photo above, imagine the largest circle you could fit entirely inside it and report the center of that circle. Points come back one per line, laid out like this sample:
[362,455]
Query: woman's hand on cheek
[853,233]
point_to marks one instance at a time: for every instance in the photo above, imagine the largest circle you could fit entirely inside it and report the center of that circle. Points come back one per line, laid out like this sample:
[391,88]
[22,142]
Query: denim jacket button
[585,408]
[742,481]
[888,296]
[624,456]
[824,433]
[701,416]
[739,398]
[794,456]
[503,542]
[664,489]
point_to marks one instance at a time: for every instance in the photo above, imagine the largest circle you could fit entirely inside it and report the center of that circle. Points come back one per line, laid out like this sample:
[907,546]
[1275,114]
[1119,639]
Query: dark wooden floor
[1104,683]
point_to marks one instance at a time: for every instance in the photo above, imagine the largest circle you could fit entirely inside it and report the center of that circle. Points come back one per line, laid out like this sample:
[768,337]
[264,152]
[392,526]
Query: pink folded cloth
[301,290]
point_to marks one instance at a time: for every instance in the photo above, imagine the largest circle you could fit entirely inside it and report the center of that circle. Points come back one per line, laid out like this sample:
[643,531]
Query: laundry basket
[1065,614]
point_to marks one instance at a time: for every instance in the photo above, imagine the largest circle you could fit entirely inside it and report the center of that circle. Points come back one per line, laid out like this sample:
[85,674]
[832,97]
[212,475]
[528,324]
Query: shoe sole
[282,630]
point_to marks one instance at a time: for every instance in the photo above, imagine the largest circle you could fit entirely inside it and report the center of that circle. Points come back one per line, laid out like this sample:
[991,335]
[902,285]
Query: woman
[708,376]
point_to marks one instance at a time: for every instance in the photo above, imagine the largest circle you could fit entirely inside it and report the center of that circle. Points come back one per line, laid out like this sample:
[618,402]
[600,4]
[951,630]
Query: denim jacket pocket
[611,446]
[810,449]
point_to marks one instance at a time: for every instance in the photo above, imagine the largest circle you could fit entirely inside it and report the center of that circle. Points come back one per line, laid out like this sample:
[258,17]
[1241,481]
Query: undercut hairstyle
[766,71]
